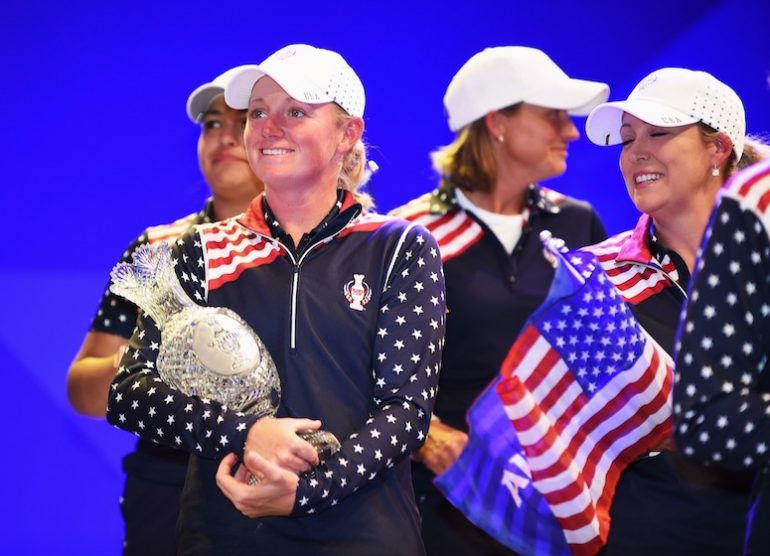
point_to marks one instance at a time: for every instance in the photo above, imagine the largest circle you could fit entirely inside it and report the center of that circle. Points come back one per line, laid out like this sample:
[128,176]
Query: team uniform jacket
[664,505]
[490,295]
[368,369]
[722,391]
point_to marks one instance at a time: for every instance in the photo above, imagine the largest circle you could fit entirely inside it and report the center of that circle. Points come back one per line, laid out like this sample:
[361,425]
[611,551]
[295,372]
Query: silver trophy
[209,352]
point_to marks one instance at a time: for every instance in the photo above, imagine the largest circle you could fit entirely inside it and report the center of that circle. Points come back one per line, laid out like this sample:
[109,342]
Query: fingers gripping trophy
[209,352]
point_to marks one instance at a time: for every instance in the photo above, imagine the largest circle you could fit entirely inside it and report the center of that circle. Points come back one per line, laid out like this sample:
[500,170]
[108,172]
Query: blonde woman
[682,134]
[350,306]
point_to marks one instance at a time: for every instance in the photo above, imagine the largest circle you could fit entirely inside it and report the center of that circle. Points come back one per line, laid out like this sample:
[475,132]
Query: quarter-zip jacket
[491,293]
[355,326]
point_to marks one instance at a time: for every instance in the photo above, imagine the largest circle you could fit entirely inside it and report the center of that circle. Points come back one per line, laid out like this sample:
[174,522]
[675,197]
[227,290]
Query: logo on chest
[357,292]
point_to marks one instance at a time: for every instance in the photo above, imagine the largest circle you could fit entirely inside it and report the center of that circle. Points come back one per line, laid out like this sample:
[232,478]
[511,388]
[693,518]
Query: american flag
[587,391]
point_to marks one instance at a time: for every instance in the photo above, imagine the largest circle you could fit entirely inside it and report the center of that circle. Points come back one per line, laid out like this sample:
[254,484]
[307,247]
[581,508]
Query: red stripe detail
[168,237]
[463,227]
[519,350]
[247,250]
[764,200]
[362,227]
[744,190]
[218,282]
[647,293]
[440,221]
[463,249]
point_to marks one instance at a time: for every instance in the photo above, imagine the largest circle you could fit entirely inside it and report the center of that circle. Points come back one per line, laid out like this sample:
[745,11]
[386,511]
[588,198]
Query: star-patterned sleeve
[722,412]
[405,364]
[140,402]
[116,315]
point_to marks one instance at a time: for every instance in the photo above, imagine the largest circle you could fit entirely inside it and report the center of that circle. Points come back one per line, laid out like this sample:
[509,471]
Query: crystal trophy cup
[209,352]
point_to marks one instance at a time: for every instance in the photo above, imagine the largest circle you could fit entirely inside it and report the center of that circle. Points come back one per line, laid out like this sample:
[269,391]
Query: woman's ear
[493,121]
[352,130]
[724,148]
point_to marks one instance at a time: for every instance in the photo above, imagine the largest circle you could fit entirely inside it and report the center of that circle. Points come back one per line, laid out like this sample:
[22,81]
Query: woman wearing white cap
[155,475]
[350,306]
[510,107]
[682,134]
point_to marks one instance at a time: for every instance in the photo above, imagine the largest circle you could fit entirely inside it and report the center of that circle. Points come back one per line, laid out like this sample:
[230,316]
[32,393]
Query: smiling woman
[682,133]
[350,306]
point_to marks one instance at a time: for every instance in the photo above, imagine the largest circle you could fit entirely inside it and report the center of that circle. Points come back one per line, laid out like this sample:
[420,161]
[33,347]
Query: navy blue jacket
[369,375]
[722,391]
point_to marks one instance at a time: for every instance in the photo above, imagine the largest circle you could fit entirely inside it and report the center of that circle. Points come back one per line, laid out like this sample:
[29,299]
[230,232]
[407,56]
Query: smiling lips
[649,177]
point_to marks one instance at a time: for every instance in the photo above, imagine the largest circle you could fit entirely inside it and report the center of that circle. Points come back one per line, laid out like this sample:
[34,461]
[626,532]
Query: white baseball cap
[308,74]
[672,97]
[200,99]
[502,76]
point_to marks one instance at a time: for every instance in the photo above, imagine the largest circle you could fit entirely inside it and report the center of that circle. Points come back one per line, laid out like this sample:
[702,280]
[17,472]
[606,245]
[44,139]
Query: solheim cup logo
[357,292]
[209,352]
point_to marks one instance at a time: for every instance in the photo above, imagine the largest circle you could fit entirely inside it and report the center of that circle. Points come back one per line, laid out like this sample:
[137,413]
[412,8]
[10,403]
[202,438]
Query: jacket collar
[443,201]
[254,217]
[637,248]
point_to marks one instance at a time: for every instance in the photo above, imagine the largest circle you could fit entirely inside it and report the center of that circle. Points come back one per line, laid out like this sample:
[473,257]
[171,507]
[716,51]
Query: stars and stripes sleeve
[722,413]
[406,361]
[116,315]
[141,403]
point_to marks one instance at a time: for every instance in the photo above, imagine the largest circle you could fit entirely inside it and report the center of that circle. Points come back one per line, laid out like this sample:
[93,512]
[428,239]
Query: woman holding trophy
[343,307]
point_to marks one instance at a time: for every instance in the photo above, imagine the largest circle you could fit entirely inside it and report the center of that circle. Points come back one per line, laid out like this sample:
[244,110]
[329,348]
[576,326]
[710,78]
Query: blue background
[96,146]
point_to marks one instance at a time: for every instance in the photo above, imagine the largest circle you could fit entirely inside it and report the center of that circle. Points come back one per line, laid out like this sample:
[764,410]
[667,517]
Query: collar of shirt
[662,254]
[507,227]
[442,201]
[307,238]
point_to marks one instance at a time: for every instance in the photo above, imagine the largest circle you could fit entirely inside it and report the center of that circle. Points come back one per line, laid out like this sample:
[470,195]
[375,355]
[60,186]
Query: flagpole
[554,252]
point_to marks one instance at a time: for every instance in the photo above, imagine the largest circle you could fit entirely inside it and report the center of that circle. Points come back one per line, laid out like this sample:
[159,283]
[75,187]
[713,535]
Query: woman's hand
[277,441]
[442,447]
[273,494]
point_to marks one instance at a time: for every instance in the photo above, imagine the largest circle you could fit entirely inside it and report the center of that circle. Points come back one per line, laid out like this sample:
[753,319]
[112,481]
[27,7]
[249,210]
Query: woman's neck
[504,198]
[682,234]
[226,208]
[299,211]
[681,228]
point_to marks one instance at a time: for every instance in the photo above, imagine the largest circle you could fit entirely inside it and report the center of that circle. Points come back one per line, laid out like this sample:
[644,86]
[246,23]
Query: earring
[715,171]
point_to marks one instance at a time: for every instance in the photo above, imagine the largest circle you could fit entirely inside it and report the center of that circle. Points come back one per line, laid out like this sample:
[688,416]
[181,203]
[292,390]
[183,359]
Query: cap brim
[200,99]
[576,96]
[603,123]
[238,91]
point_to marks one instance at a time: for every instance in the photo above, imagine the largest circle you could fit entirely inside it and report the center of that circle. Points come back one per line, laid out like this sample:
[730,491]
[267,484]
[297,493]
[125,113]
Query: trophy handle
[324,442]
